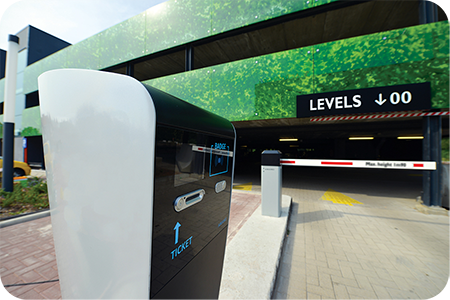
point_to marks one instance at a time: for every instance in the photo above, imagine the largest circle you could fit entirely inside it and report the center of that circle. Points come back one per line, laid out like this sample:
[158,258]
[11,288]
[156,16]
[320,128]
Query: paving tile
[384,273]
[29,261]
[31,276]
[402,271]
[344,281]
[422,291]
[321,256]
[31,294]
[382,282]
[353,297]
[12,263]
[296,286]
[349,264]
[401,282]
[11,271]
[310,295]
[340,291]
[328,271]
[402,294]
[364,282]
[54,292]
[318,290]
[47,257]
[43,286]
[362,293]
[11,279]
[317,263]
[381,292]
[325,280]
[346,271]
[333,264]
[351,257]
[367,265]
[20,290]
[29,268]
[312,279]
[11,250]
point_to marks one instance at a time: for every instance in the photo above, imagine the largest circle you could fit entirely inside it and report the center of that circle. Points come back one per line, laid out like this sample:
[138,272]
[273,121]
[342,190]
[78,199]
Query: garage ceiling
[304,129]
[311,27]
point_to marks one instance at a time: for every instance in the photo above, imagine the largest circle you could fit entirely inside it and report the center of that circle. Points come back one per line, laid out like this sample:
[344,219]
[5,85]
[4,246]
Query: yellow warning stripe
[245,187]
[338,198]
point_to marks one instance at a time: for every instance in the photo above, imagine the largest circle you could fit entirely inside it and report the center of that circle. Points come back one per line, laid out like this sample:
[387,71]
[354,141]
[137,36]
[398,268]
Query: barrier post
[9,113]
[271,180]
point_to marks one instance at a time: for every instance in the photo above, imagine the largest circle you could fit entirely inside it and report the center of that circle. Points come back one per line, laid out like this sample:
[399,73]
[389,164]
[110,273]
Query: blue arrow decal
[176,228]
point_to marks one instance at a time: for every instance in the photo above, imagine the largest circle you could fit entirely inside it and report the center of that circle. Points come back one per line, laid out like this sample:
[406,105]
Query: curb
[22,219]
[253,256]
[280,253]
[431,210]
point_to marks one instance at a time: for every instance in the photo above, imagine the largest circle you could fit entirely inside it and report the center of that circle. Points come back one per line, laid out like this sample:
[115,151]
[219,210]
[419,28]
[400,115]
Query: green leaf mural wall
[266,87]
[164,26]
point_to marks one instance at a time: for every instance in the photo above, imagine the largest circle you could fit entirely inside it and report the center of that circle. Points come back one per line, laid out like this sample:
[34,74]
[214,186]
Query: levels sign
[379,99]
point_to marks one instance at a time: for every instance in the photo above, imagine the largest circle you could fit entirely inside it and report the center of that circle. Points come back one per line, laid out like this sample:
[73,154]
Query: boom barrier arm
[376,164]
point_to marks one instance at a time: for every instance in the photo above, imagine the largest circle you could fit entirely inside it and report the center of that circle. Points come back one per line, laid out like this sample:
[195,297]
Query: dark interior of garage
[331,139]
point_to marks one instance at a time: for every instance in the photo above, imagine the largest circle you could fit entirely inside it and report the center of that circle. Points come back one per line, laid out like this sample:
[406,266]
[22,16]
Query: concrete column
[431,147]
[428,12]
[189,63]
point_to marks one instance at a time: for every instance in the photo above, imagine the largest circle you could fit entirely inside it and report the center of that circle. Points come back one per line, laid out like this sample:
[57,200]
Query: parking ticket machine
[139,186]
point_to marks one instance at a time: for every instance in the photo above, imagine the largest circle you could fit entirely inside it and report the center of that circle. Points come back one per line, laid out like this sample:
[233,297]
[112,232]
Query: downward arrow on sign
[380,101]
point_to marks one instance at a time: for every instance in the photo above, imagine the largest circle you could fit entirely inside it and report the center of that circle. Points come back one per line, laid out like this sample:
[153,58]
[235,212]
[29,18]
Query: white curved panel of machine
[98,134]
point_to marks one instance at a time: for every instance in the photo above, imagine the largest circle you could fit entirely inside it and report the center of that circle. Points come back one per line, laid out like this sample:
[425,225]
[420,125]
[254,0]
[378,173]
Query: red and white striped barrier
[376,164]
[380,116]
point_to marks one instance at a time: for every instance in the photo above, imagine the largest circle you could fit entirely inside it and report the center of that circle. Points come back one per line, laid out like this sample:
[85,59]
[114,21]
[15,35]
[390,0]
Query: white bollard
[271,181]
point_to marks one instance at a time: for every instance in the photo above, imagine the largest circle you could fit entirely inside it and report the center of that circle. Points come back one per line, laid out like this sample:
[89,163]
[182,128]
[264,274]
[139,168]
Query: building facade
[34,45]
[249,61]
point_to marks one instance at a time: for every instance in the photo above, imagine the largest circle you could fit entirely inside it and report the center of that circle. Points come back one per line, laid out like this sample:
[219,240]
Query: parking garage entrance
[374,139]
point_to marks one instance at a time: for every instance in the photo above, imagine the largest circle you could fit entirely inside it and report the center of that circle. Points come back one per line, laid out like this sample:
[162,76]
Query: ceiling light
[354,138]
[410,137]
[288,140]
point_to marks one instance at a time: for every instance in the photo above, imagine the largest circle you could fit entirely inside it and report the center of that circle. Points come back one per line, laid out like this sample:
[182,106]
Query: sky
[69,20]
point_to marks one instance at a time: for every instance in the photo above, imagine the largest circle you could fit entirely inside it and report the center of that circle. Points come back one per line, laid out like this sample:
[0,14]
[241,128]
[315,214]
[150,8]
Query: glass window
[22,60]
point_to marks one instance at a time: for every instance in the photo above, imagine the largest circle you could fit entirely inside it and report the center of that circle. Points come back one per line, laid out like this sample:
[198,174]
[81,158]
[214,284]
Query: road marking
[338,198]
[245,187]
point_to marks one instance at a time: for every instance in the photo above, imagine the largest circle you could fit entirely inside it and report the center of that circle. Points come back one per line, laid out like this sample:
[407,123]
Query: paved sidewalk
[27,254]
[346,239]
[27,251]
[380,249]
